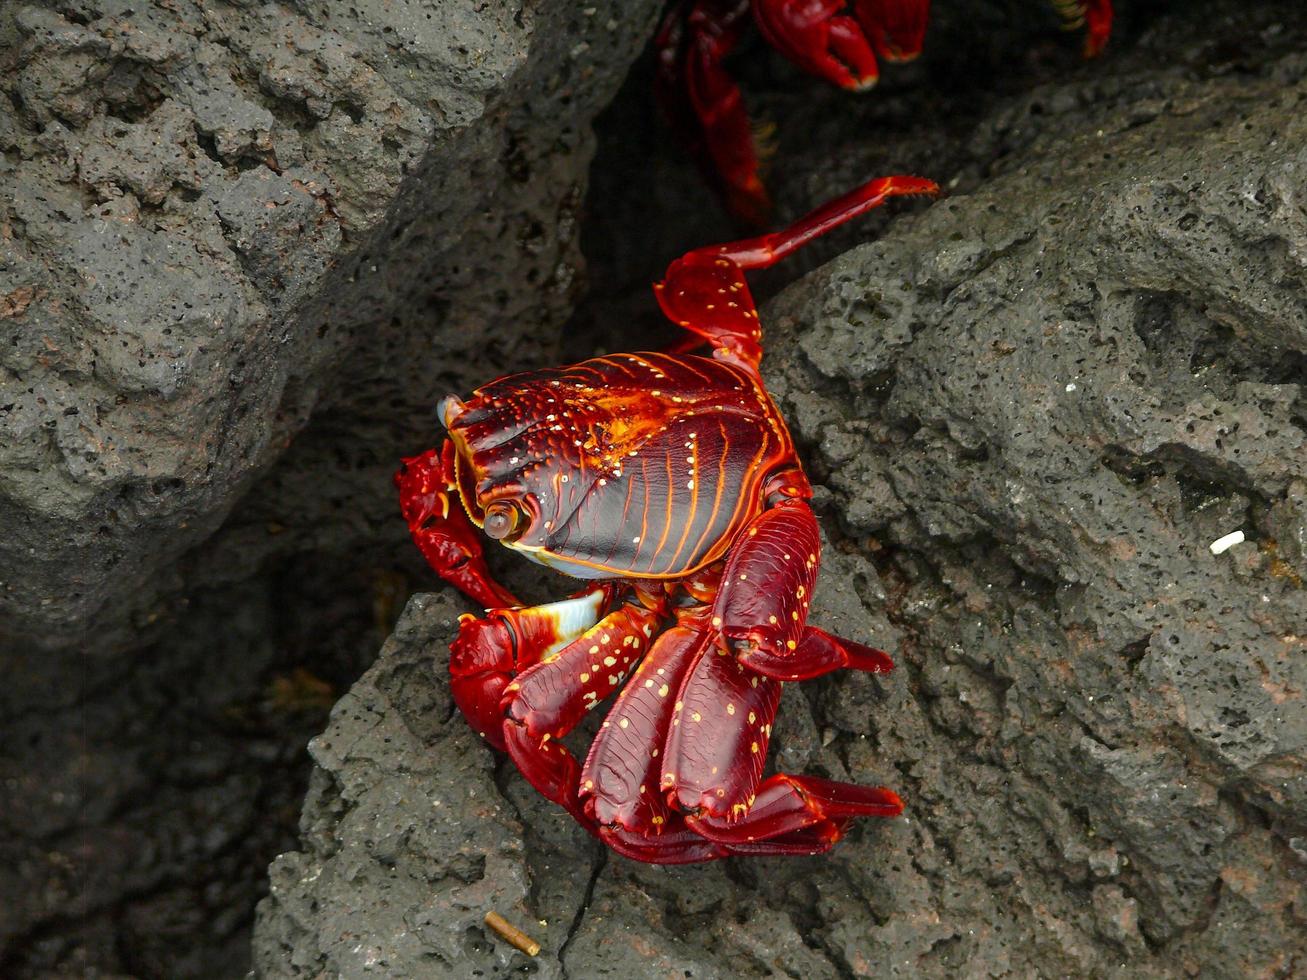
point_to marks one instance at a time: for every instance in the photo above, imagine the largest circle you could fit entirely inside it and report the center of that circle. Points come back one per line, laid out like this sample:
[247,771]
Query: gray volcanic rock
[244,247]
[227,216]
[1033,407]
[409,840]
[1041,403]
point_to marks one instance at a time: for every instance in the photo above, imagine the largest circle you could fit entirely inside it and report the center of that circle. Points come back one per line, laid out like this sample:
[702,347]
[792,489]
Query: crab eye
[502,520]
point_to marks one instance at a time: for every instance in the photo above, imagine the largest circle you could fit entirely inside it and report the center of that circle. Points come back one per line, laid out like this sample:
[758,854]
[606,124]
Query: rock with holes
[226,217]
[406,838]
[1107,705]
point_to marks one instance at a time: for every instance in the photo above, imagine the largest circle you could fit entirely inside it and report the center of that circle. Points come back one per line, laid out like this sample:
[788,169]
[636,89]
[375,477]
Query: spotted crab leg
[673,775]
[761,607]
[686,741]
[491,649]
[797,815]
[429,501]
[705,292]
[545,702]
[620,790]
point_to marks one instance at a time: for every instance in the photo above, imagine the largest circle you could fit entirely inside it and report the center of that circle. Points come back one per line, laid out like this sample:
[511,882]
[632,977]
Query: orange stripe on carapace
[573,446]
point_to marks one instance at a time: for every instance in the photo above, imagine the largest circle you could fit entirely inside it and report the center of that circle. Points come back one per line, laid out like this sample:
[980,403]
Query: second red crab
[838,40]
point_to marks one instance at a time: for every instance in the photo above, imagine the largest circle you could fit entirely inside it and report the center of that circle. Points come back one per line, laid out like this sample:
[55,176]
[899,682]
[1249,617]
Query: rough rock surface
[218,220]
[1033,408]
[228,216]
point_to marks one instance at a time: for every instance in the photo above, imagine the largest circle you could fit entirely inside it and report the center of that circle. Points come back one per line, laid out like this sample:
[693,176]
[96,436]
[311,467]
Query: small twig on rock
[511,934]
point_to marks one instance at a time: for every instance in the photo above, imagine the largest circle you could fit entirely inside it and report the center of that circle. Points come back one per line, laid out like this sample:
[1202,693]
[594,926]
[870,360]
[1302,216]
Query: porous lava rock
[244,247]
[228,217]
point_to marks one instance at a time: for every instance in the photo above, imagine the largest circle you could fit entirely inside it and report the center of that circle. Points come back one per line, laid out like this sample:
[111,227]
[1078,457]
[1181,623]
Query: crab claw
[821,38]
[897,28]
[840,41]
[440,527]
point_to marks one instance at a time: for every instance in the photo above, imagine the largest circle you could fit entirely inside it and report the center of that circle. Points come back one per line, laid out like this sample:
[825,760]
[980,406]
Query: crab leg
[490,650]
[703,103]
[817,654]
[620,783]
[761,608]
[546,701]
[896,27]
[705,292]
[821,38]
[798,814]
[1095,15]
[429,501]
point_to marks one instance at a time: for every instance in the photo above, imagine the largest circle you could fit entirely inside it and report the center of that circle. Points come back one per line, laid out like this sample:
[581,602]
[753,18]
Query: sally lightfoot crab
[670,481]
[842,41]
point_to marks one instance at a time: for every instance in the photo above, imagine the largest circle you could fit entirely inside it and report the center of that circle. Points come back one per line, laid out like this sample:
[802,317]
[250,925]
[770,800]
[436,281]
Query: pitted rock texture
[225,217]
[1031,408]
[402,808]
[1041,403]
[244,248]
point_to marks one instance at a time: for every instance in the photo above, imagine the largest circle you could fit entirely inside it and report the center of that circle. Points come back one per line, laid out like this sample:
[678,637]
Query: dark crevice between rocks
[599,862]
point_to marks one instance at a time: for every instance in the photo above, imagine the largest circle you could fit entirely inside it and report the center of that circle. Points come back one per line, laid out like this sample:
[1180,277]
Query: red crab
[671,479]
[838,40]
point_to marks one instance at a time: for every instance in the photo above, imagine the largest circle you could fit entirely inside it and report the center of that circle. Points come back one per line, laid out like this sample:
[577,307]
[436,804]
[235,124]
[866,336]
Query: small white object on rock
[1226,542]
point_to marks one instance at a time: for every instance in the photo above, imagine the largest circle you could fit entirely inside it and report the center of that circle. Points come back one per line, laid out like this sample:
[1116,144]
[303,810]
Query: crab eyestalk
[503,521]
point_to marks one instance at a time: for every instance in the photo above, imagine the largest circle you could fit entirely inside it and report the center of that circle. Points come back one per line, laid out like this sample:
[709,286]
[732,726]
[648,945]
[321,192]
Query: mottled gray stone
[229,216]
[410,841]
[244,248]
